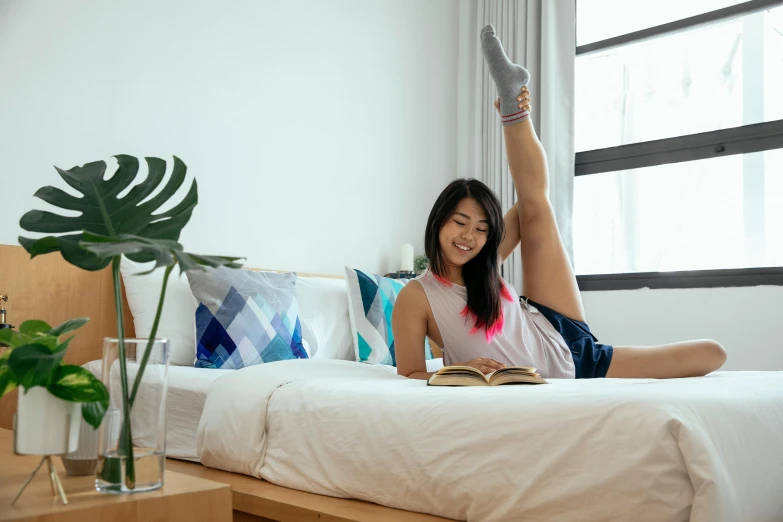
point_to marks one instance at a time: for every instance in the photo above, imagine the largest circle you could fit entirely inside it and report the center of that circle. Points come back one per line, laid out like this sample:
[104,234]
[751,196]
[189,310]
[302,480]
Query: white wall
[320,133]
[746,321]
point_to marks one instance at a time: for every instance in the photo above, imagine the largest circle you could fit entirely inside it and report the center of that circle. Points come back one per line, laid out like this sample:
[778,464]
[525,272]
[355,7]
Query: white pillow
[178,319]
[323,312]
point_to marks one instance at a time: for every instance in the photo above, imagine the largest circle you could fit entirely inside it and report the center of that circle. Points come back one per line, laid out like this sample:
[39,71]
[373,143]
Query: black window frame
[738,140]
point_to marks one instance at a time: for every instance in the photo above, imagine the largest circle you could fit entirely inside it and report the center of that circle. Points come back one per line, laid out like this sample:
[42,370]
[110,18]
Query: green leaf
[33,327]
[103,213]
[45,245]
[7,381]
[13,338]
[68,326]
[93,412]
[32,364]
[46,340]
[198,262]
[164,252]
[76,384]
[16,339]
[62,346]
[128,245]
[72,252]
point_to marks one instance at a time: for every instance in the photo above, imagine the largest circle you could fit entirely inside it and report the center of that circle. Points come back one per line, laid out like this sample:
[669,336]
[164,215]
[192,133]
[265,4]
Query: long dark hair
[482,273]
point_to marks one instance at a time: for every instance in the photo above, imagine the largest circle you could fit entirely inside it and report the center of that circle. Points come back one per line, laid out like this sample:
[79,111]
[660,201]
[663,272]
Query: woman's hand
[523,100]
[483,364]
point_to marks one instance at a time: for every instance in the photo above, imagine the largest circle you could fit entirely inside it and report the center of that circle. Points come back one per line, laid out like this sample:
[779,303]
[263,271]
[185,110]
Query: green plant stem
[126,441]
[151,341]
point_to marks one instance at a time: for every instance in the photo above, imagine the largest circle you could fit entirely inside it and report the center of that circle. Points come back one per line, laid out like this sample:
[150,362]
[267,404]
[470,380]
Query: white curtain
[541,36]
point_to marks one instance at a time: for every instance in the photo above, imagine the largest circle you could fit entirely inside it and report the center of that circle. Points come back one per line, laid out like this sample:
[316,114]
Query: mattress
[187,391]
[700,449]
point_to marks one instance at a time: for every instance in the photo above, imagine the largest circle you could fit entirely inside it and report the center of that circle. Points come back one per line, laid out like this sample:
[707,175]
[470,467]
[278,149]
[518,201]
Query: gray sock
[509,77]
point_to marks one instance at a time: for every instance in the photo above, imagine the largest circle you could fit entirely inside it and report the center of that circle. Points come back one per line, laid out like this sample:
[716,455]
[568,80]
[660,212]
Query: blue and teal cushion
[371,299]
[245,318]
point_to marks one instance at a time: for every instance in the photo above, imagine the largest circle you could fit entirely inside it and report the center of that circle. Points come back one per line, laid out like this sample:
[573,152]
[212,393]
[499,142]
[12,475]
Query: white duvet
[702,449]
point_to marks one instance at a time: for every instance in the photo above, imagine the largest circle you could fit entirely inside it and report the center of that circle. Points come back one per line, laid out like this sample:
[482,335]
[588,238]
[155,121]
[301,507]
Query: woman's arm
[409,325]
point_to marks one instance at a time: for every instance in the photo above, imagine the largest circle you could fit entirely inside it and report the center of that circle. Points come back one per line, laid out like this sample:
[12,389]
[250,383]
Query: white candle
[406,258]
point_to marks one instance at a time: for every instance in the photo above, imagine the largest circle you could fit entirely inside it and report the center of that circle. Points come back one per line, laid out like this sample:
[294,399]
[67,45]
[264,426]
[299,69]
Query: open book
[468,376]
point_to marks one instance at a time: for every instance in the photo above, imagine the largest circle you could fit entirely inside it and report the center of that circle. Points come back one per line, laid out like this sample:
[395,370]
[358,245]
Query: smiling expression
[464,234]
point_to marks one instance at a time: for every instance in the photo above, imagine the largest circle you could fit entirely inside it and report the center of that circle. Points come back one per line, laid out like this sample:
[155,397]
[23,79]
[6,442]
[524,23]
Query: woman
[463,304]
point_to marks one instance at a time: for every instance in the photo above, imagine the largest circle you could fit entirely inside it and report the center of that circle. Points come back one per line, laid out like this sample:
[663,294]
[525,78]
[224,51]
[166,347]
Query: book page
[515,374]
[453,373]
[460,370]
[524,370]
[517,378]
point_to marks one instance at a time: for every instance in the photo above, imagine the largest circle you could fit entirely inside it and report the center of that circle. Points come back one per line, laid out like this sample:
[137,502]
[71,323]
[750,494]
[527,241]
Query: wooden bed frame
[50,289]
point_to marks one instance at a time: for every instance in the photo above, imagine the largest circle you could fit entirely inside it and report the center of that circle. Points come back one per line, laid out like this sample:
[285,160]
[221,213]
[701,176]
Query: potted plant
[54,396]
[113,222]
[420,264]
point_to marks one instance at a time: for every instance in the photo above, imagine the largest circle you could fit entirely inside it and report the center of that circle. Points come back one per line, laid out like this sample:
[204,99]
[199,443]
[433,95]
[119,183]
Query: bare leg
[685,359]
[547,276]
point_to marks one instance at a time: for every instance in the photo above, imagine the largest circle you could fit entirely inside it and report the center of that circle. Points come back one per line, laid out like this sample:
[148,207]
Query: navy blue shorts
[591,359]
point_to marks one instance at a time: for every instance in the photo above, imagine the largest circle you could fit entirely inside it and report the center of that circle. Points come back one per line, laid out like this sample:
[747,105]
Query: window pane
[598,20]
[699,215]
[719,76]
[773,205]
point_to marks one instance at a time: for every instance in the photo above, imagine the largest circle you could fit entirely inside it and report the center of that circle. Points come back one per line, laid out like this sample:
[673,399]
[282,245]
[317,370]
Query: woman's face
[464,234]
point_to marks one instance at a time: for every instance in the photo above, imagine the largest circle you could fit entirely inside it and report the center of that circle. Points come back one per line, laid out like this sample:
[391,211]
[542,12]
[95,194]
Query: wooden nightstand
[183,498]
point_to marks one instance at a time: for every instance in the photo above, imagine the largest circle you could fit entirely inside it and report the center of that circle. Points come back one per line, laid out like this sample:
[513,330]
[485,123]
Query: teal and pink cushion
[371,299]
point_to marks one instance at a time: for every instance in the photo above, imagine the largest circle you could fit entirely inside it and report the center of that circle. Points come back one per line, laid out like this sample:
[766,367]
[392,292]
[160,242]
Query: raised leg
[547,275]
[685,359]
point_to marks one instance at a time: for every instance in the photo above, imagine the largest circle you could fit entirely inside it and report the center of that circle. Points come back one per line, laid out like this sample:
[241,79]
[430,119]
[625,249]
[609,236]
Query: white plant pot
[45,424]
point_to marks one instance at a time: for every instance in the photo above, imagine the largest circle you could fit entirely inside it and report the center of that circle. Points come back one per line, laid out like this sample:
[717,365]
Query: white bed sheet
[704,449]
[187,391]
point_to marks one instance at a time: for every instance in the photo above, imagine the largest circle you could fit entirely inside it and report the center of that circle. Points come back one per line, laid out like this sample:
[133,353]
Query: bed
[690,449]
[701,449]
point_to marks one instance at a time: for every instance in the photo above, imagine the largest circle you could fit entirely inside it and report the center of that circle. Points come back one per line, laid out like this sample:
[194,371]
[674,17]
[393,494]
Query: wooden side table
[183,498]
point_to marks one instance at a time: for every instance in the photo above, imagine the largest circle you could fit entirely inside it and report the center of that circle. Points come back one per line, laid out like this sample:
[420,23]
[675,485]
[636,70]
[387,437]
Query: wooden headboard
[50,289]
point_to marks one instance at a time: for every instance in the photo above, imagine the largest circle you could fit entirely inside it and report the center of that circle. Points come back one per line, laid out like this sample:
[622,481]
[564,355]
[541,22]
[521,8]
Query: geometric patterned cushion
[245,318]
[371,299]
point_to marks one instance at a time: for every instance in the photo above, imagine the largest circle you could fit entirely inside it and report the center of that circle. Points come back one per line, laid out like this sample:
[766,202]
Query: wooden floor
[257,500]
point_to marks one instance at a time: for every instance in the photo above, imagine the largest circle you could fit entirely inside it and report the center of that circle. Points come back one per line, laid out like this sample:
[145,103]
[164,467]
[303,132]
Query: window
[679,136]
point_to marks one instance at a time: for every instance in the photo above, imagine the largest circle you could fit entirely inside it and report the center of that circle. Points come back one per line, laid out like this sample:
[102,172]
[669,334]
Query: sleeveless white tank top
[526,339]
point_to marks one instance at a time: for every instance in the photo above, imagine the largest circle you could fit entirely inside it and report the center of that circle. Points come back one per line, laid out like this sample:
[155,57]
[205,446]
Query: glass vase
[117,472]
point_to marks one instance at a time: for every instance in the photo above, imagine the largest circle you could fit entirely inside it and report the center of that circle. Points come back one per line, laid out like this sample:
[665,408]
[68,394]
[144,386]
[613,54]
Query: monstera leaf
[164,252]
[104,213]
